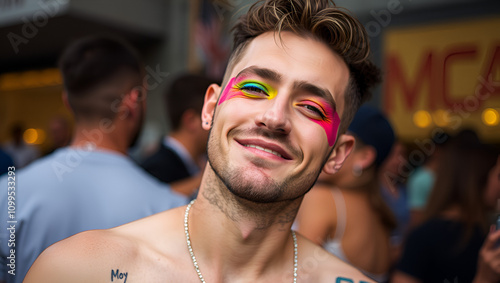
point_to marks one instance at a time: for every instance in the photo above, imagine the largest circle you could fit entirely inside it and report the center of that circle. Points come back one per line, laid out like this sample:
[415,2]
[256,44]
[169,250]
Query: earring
[206,123]
[357,170]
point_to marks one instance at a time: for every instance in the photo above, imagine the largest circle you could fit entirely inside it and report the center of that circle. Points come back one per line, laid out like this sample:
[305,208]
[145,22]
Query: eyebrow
[317,91]
[261,72]
[275,77]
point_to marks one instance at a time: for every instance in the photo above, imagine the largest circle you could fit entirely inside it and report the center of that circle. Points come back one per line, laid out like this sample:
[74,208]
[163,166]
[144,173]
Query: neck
[238,237]
[258,216]
[101,138]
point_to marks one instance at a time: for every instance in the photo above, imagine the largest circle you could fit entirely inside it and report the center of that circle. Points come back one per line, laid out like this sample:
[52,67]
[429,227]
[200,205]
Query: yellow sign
[443,76]
[31,98]
[30,79]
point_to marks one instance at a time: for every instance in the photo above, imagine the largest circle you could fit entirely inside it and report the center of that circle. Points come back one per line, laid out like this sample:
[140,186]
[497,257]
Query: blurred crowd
[426,225]
[87,180]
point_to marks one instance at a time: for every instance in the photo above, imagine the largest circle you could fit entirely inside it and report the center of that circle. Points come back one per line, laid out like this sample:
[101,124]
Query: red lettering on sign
[452,56]
[434,70]
[396,76]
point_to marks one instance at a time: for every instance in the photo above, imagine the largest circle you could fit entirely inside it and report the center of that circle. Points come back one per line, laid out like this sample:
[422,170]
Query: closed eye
[253,88]
[313,110]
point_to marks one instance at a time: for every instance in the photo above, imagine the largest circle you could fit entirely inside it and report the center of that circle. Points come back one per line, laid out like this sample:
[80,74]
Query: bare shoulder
[143,249]
[85,257]
[318,265]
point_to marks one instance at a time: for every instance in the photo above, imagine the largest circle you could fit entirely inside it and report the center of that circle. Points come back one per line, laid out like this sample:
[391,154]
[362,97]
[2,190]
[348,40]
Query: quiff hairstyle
[323,21]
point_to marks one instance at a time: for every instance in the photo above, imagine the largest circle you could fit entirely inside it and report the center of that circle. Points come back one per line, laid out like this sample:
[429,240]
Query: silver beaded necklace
[195,263]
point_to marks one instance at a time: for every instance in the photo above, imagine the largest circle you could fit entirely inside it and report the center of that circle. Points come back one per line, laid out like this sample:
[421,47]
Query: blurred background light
[490,117]
[441,118]
[34,136]
[422,119]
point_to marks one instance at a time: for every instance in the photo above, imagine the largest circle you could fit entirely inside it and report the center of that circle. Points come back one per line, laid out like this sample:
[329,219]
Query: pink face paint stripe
[226,92]
[331,128]
[331,124]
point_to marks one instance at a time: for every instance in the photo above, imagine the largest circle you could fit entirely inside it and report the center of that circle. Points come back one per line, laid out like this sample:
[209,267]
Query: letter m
[396,78]
[113,274]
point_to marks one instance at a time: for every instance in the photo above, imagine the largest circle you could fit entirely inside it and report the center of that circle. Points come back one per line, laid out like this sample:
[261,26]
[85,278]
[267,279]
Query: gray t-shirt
[70,191]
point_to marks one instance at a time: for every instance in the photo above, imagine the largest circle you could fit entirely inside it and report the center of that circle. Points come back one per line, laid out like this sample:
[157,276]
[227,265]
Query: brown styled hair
[323,21]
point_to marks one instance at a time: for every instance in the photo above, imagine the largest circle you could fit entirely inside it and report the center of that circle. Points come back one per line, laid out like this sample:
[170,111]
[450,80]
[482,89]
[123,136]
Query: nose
[275,117]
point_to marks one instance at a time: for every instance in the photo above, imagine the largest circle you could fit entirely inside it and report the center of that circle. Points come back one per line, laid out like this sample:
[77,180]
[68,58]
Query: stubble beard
[244,184]
[254,186]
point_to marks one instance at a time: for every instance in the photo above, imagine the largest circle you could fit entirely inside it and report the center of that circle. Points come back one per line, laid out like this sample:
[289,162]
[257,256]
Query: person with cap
[345,212]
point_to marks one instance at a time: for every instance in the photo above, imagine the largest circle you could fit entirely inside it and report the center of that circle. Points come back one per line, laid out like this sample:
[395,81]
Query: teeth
[264,149]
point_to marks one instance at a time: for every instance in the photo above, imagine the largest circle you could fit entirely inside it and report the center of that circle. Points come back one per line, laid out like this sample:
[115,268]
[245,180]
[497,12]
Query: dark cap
[373,128]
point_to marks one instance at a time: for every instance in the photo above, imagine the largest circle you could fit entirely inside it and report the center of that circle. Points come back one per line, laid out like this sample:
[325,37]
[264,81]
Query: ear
[207,112]
[343,148]
[131,102]
[367,156]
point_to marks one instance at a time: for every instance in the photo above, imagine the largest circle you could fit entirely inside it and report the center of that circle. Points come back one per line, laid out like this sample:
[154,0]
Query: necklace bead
[195,262]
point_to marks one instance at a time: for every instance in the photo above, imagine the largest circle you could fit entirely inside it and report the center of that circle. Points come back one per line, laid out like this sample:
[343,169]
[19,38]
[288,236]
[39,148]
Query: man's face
[277,118]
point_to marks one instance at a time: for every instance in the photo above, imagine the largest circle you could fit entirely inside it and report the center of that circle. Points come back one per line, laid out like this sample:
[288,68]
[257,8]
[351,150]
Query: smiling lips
[266,147]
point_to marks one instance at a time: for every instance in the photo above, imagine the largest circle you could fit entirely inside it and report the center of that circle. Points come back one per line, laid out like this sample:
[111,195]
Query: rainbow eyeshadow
[330,122]
[240,87]
[245,88]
